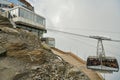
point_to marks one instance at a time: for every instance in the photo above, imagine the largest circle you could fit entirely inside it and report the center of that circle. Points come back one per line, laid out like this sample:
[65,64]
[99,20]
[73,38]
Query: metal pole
[103,51]
[100,49]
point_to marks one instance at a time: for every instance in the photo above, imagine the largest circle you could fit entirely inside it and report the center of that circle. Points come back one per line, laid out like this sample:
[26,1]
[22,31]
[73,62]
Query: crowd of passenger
[110,63]
[105,62]
[93,62]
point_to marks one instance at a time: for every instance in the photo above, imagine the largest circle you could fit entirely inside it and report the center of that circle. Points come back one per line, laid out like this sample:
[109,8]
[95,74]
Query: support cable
[93,37]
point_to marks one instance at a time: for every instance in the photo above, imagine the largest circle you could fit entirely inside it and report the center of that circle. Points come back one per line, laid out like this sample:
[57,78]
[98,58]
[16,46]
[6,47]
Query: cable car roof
[107,57]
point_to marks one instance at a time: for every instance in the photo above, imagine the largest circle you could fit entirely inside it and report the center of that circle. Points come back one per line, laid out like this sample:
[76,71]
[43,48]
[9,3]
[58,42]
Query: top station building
[21,12]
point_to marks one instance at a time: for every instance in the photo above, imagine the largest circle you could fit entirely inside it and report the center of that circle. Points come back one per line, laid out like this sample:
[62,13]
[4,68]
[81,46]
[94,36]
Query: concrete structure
[21,14]
[49,41]
[22,3]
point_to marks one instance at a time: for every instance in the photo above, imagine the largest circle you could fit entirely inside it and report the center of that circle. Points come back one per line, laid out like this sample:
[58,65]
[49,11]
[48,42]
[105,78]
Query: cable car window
[110,63]
[93,61]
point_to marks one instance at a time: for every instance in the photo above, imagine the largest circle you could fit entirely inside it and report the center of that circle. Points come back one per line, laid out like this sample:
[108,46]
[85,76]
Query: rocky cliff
[24,57]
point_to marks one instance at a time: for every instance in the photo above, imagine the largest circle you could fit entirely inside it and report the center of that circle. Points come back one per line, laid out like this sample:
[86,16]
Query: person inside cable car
[110,63]
[93,62]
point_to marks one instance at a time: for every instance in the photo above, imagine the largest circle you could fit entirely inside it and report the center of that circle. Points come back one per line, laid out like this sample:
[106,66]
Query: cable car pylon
[100,48]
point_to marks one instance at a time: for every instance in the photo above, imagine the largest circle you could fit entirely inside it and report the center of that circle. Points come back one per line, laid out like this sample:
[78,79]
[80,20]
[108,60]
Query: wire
[93,37]
[69,33]
[84,29]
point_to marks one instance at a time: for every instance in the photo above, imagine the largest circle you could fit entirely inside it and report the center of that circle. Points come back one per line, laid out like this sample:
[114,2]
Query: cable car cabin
[106,64]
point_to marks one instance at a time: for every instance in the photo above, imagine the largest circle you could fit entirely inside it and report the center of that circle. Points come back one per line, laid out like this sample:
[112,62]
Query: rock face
[24,57]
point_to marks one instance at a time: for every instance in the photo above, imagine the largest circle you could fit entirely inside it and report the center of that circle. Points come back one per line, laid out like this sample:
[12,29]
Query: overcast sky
[103,15]
[87,17]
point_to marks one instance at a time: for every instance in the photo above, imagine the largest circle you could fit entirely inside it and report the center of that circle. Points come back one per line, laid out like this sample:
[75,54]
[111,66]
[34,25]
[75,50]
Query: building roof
[4,2]
[25,2]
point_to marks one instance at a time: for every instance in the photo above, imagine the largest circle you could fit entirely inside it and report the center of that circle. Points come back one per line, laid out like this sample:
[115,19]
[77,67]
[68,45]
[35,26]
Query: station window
[21,12]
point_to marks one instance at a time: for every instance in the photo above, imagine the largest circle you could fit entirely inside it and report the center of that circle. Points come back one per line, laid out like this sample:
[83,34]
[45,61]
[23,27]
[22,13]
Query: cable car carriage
[102,63]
